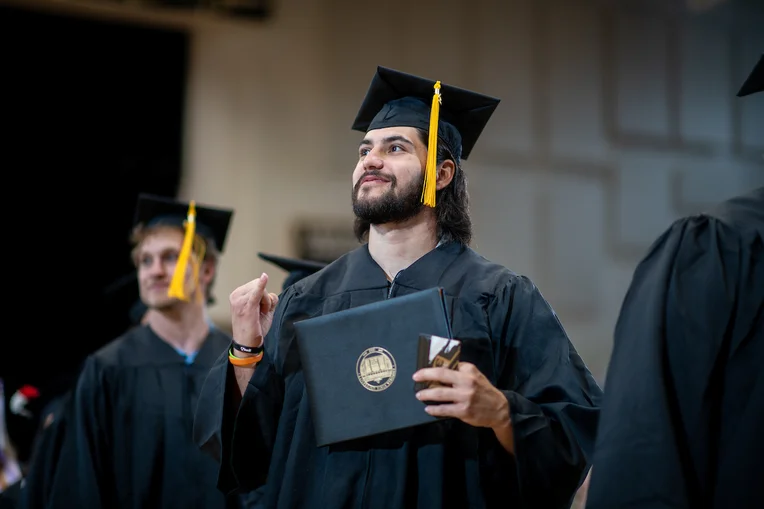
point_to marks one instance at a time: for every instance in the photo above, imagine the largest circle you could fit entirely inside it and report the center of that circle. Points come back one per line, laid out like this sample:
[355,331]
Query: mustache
[374,173]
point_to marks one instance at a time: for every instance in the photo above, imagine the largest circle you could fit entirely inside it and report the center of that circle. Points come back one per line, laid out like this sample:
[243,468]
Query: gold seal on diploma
[376,369]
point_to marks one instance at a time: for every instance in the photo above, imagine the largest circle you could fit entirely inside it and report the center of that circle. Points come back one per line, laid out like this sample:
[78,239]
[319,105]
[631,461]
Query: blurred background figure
[10,471]
[684,406]
[127,439]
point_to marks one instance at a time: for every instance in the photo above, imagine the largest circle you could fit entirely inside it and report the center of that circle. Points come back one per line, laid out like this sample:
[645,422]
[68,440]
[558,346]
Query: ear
[445,174]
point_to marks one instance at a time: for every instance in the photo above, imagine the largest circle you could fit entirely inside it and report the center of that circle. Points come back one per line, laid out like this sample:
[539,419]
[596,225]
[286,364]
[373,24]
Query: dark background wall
[91,115]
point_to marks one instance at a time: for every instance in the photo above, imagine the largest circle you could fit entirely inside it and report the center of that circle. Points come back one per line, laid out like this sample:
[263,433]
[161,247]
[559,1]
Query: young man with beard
[523,406]
[128,441]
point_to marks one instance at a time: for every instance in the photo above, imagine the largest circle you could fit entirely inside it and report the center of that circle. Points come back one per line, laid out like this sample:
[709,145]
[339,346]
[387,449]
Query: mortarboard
[397,99]
[755,81]
[210,223]
[297,269]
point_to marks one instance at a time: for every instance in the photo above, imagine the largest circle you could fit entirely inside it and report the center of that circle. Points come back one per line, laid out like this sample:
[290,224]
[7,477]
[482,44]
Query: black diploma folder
[358,365]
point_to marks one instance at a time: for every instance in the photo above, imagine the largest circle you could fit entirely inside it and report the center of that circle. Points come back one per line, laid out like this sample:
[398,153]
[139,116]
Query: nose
[156,268]
[373,161]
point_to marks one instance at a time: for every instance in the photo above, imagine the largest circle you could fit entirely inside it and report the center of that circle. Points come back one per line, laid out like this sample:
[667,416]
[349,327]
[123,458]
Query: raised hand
[252,308]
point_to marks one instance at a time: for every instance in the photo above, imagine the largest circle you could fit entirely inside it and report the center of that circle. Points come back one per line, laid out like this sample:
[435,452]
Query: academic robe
[38,482]
[508,331]
[128,441]
[682,422]
[9,497]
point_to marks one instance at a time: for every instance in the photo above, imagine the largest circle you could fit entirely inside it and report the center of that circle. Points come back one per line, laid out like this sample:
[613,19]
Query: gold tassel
[430,173]
[177,286]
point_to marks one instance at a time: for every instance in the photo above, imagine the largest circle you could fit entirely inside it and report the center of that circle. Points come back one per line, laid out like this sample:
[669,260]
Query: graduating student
[128,441]
[683,415]
[523,407]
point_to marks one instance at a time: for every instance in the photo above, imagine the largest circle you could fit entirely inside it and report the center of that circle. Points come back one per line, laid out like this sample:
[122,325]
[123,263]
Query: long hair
[452,211]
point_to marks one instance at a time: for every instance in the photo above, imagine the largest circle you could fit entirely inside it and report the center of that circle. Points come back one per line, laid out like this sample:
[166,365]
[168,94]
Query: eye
[396,148]
[363,152]
[145,261]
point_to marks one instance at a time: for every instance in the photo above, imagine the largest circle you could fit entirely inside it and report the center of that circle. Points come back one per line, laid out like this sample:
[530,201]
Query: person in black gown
[523,405]
[127,441]
[683,412]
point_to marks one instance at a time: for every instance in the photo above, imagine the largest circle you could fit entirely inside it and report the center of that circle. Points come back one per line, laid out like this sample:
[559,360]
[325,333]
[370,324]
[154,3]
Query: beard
[395,205]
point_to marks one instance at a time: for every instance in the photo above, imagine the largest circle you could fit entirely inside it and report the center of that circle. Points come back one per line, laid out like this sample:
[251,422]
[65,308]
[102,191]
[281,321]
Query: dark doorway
[92,115]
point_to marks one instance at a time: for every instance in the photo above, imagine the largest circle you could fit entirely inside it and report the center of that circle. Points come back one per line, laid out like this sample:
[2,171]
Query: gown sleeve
[83,475]
[692,303]
[553,399]
[241,439]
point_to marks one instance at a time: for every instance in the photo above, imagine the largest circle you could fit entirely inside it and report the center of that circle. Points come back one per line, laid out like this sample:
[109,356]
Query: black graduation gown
[682,424]
[128,441]
[9,497]
[508,331]
[38,481]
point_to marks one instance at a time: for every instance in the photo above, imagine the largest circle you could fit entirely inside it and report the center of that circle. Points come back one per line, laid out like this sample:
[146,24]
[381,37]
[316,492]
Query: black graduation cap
[755,81]
[398,99]
[211,223]
[297,269]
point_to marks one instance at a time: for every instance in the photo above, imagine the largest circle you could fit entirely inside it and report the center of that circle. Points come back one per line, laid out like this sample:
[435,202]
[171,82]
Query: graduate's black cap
[398,99]
[297,269]
[755,81]
[211,223]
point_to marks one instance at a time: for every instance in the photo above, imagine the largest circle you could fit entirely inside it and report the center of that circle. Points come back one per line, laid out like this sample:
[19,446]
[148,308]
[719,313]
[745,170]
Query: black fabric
[128,441]
[755,81]
[507,330]
[683,413]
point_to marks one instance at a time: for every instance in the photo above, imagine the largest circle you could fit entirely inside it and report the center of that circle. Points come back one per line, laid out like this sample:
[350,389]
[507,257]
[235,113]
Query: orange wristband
[244,362]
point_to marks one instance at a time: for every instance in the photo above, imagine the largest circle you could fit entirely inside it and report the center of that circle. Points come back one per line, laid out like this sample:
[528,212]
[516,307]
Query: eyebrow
[389,139]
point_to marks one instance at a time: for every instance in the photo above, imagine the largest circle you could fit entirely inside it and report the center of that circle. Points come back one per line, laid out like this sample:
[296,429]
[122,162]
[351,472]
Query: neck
[395,246]
[183,325]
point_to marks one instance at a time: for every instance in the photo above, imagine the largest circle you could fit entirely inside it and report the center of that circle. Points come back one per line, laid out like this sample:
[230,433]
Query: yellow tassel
[430,173]
[177,286]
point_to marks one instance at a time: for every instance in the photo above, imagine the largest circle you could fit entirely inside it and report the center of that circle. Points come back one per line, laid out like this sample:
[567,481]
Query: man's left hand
[468,395]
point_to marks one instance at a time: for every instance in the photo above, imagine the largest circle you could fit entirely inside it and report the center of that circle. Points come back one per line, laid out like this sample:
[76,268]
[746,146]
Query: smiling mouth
[373,180]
